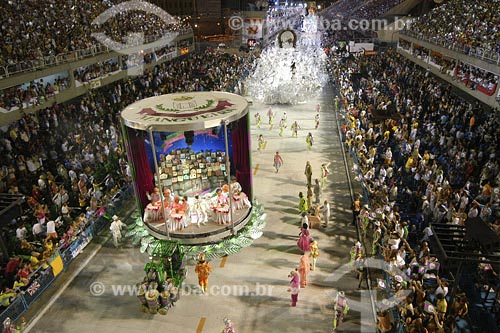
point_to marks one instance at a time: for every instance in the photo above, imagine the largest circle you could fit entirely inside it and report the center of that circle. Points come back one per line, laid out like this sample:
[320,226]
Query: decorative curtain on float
[144,179]
[241,155]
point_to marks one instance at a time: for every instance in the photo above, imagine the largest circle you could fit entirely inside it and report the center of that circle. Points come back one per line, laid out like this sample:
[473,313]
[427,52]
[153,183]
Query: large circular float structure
[190,160]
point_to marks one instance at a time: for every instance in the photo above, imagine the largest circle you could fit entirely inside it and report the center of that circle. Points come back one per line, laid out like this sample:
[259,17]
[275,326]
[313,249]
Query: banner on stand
[252,29]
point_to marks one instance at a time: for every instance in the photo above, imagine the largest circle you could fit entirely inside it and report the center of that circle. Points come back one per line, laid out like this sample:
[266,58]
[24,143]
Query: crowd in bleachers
[446,65]
[476,78]
[374,9]
[96,70]
[474,24]
[473,77]
[68,161]
[32,30]
[342,8]
[433,158]
[147,24]
[360,9]
[34,93]
[38,91]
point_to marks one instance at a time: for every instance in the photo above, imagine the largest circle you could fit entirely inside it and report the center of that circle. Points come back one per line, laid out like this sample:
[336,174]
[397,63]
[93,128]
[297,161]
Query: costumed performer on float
[177,214]
[155,196]
[240,198]
[221,207]
[186,208]
[200,210]
[167,197]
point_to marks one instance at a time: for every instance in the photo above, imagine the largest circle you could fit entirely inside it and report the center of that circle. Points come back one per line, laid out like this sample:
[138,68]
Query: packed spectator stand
[428,161]
[37,34]
[360,9]
[469,26]
[471,76]
[33,93]
[374,9]
[356,19]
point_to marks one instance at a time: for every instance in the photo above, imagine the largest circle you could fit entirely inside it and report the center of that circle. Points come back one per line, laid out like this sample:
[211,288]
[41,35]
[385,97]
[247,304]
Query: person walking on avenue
[325,210]
[317,191]
[304,269]
[314,254]
[295,129]
[316,121]
[203,269]
[308,172]
[303,207]
[278,161]
[116,229]
[304,241]
[303,220]
[324,174]
[270,116]
[261,143]
[258,119]
[282,126]
[294,287]
[309,196]
[309,140]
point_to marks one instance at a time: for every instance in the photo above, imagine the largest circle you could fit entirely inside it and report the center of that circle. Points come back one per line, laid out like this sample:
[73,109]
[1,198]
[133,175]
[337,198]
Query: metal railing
[51,61]
[342,113]
[66,57]
[476,52]
[388,292]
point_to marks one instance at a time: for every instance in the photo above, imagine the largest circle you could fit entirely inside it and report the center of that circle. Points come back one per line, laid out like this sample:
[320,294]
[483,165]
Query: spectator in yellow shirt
[441,306]
[409,164]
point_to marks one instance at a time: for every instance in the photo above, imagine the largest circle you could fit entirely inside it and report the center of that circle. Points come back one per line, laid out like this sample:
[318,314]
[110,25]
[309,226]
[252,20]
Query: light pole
[228,176]
[158,182]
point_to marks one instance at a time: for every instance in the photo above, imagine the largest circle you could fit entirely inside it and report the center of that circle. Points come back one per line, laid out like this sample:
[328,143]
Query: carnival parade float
[189,161]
